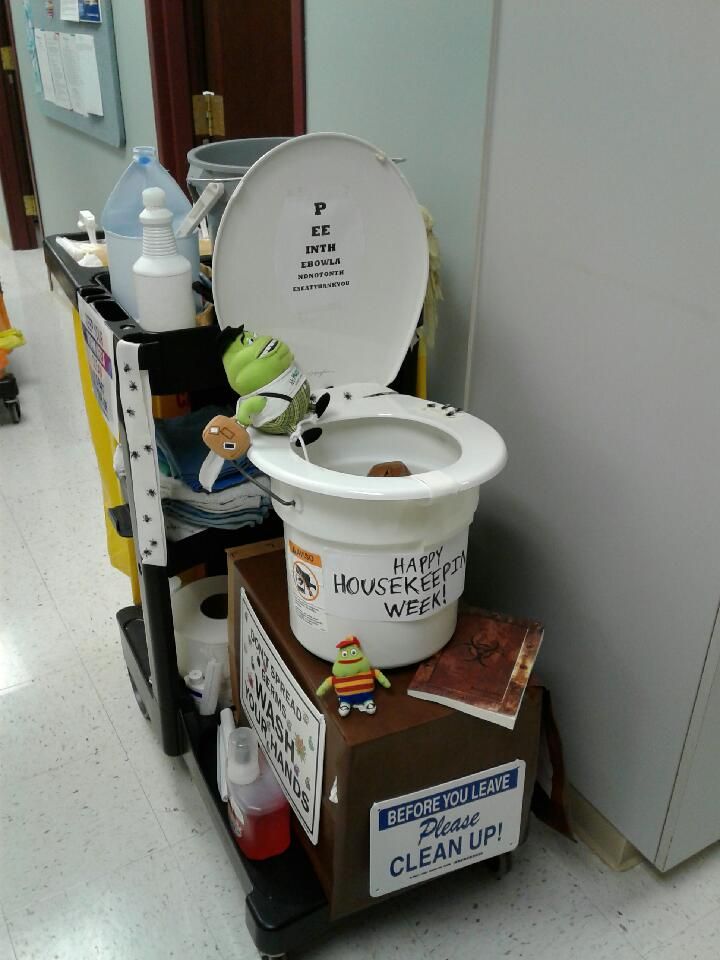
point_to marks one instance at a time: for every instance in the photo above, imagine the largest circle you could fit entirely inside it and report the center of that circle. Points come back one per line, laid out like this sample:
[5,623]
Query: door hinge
[208,114]
[31,208]
[7,56]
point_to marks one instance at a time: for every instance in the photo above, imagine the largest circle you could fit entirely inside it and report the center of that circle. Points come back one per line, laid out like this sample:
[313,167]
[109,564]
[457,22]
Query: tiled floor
[105,847]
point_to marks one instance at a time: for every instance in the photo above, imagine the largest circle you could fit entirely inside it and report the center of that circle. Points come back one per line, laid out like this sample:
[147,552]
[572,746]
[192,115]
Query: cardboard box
[408,745]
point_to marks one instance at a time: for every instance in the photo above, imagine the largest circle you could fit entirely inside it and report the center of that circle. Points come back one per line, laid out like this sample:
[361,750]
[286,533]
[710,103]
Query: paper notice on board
[90,11]
[57,72]
[69,10]
[73,74]
[87,62]
[48,91]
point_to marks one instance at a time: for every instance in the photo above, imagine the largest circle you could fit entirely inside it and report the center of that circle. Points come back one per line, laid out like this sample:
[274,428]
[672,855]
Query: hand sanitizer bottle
[258,812]
[163,277]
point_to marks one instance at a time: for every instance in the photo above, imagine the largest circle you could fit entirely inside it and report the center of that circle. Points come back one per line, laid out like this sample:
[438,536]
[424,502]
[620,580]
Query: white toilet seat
[480,450]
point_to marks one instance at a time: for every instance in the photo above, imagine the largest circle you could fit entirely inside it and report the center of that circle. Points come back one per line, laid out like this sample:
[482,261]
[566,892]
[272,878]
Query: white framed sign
[290,729]
[434,831]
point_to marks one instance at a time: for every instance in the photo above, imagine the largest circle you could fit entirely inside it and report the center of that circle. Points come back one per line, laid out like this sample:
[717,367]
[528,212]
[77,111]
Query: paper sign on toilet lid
[382,586]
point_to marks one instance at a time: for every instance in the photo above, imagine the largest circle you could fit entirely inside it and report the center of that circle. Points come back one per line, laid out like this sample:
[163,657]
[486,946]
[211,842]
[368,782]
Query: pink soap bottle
[258,812]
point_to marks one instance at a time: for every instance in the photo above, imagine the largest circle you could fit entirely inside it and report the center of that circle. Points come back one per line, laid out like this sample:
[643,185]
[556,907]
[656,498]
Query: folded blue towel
[228,521]
[181,450]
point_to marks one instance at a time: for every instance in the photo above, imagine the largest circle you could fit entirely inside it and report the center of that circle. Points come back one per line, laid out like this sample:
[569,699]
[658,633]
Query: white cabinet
[596,354]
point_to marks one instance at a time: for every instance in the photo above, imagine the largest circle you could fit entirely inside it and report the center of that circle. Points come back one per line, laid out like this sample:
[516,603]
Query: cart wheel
[502,865]
[14,410]
[273,956]
[141,705]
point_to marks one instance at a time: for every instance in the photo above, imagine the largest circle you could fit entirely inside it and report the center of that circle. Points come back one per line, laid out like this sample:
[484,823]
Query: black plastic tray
[285,907]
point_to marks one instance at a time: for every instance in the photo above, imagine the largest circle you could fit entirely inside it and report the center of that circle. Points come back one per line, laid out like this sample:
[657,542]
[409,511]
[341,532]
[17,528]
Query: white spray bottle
[163,277]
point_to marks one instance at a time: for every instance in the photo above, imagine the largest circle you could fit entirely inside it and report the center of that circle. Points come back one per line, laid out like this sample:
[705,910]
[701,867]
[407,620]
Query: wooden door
[248,55]
[15,168]
[251,54]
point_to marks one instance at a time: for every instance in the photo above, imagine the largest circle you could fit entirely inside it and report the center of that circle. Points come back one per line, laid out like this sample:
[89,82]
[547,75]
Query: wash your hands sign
[431,832]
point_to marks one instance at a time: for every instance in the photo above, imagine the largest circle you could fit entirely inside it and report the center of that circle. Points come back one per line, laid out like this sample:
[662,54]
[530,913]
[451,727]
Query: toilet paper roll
[201,633]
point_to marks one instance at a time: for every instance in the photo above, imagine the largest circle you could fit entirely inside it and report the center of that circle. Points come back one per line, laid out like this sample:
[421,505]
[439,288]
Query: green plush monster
[274,393]
[353,679]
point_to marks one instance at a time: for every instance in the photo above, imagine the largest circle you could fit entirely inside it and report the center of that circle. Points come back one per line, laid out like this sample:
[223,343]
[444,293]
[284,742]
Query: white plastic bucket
[387,571]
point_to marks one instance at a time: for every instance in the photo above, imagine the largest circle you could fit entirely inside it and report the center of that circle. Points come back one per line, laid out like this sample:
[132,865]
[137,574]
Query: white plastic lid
[323,245]
[243,763]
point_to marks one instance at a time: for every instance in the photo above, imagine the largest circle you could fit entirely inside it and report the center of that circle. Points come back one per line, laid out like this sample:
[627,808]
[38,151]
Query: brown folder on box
[408,745]
[485,667]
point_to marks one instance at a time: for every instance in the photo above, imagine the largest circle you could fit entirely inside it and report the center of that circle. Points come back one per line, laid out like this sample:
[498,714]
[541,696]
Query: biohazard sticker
[305,577]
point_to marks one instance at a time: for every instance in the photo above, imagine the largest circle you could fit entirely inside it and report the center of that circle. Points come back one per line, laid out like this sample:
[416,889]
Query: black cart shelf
[284,904]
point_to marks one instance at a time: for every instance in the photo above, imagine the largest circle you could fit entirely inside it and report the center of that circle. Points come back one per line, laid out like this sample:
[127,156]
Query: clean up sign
[443,828]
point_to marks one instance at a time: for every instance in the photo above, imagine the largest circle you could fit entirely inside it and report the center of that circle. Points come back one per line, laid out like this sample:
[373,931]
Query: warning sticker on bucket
[390,587]
[305,579]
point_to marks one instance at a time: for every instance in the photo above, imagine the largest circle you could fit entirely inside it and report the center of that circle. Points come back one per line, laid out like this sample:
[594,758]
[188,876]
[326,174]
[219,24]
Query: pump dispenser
[258,812]
[163,277]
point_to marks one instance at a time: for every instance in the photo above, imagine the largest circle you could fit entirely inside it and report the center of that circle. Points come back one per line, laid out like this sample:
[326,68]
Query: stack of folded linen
[234,501]
[240,506]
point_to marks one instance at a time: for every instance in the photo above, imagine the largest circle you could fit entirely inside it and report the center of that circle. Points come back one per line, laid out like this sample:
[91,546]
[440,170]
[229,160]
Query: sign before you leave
[443,828]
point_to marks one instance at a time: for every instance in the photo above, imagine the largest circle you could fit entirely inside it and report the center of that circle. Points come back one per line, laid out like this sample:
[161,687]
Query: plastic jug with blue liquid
[123,230]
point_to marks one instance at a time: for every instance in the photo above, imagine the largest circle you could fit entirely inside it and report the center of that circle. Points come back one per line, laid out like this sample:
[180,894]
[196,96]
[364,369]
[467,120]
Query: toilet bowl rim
[482,453]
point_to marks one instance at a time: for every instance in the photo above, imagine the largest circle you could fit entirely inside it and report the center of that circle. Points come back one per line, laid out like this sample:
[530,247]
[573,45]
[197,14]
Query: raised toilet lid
[323,245]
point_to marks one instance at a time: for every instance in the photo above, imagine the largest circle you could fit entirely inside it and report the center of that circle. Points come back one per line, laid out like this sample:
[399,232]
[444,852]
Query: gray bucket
[226,162]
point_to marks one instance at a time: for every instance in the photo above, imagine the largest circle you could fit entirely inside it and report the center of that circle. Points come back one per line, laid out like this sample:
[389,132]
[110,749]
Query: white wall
[411,77]
[72,169]
[596,356]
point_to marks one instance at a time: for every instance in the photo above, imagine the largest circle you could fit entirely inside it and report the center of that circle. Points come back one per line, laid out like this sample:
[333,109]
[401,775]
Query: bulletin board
[110,127]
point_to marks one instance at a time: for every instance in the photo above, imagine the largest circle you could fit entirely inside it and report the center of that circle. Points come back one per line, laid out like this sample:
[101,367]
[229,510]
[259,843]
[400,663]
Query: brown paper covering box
[407,745]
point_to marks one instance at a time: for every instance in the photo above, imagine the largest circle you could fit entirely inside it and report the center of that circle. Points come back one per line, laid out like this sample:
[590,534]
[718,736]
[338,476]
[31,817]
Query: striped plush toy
[353,679]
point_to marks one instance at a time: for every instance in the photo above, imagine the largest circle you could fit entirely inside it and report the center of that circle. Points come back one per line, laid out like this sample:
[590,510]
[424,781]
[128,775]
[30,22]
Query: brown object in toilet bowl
[390,468]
